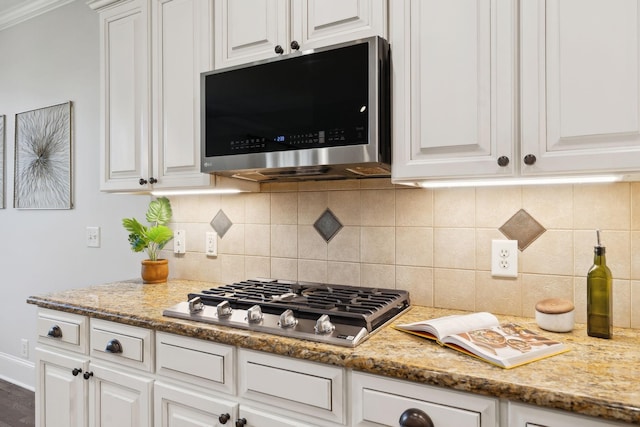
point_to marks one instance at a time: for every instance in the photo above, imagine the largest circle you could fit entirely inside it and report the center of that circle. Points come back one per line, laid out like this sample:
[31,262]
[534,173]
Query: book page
[451,325]
[507,345]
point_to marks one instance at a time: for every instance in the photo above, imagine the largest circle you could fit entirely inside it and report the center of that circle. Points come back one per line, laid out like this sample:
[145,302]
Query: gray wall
[51,59]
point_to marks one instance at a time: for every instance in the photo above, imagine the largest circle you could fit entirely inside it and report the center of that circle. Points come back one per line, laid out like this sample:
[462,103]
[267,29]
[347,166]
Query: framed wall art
[2,118]
[43,158]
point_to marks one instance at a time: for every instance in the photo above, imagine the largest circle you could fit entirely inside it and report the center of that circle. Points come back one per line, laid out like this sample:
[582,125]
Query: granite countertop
[597,377]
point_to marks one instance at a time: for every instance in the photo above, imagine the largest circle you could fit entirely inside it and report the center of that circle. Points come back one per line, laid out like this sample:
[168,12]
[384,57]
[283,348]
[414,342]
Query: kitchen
[434,243]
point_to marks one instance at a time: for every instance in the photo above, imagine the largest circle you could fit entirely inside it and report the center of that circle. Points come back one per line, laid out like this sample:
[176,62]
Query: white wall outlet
[504,258]
[179,242]
[211,243]
[24,349]
[93,237]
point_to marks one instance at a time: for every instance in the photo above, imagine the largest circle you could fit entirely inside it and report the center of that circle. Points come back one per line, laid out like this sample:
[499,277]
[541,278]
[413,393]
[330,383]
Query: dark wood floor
[17,406]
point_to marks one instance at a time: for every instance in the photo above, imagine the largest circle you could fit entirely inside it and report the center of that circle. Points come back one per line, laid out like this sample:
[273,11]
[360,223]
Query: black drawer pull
[55,332]
[413,417]
[113,346]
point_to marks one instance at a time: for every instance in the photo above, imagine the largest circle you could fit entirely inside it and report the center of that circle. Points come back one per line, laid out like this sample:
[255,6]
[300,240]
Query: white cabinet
[119,398]
[61,396]
[453,79]
[125,83]
[529,416]
[152,54]
[382,401]
[459,101]
[178,406]
[61,391]
[250,30]
[295,388]
[580,87]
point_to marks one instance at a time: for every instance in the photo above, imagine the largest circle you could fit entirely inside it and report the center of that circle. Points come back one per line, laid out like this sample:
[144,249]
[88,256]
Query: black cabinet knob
[76,371]
[295,45]
[87,375]
[503,161]
[241,422]
[529,159]
[279,50]
[55,332]
[142,181]
[152,180]
[413,417]
[113,346]
[224,418]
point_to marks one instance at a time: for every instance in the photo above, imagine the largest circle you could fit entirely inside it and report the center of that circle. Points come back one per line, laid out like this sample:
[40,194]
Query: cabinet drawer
[63,330]
[123,344]
[381,401]
[196,361]
[298,385]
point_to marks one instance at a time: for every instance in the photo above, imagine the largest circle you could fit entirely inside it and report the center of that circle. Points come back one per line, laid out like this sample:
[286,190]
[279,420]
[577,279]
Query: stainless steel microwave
[316,114]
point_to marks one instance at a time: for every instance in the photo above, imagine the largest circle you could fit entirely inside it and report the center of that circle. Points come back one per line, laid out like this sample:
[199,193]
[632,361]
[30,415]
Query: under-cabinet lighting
[195,192]
[520,181]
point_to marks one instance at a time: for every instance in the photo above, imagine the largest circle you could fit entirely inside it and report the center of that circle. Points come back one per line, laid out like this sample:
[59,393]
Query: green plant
[154,237]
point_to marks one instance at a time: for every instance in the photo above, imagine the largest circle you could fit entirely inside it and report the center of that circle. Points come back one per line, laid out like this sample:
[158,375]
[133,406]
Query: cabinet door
[182,40]
[118,398]
[249,30]
[61,397]
[580,85]
[453,82]
[178,407]
[125,87]
[326,22]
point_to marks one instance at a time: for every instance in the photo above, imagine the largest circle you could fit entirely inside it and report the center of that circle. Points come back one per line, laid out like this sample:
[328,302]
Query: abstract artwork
[1,162]
[43,158]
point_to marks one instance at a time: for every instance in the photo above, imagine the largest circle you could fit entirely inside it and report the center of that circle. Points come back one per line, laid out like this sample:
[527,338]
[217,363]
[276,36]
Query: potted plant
[152,239]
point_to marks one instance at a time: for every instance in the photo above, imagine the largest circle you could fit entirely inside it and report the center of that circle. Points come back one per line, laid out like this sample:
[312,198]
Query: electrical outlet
[93,237]
[211,243]
[24,350]
[179,242]
[504,258]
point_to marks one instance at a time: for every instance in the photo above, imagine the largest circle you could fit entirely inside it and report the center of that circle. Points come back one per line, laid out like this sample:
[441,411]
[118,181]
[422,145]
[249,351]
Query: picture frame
[43,172]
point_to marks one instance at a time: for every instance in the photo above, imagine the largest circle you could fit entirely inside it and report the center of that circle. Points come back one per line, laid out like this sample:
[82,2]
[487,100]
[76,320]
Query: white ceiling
[13,12]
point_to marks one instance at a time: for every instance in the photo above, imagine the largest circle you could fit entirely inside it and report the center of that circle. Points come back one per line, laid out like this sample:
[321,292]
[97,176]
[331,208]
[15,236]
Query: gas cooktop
[335,314]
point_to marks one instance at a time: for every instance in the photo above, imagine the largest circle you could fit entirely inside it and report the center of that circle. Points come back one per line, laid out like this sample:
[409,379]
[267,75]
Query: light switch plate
[179,242]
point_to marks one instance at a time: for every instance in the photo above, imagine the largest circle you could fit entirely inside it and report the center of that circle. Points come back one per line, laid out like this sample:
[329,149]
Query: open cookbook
[481,335]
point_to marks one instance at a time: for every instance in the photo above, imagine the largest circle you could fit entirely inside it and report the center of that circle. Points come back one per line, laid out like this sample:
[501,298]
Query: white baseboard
[18,371]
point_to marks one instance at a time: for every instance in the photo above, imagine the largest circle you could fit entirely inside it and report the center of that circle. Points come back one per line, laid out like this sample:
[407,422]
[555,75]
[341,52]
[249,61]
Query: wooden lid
[554,306]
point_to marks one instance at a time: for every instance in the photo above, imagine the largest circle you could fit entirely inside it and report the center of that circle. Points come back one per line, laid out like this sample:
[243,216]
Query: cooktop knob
[287,319]
[254,314]
[224,309]
[195,305]
[324,325]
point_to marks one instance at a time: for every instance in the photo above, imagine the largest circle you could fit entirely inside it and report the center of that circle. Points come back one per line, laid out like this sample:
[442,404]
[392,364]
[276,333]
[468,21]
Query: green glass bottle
[599,297]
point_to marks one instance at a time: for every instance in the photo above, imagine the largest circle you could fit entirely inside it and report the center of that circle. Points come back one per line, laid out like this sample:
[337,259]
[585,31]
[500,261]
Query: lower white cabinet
[119,398]
[382,401]
[61,391]
[104,374]
[178,406]
[521,415]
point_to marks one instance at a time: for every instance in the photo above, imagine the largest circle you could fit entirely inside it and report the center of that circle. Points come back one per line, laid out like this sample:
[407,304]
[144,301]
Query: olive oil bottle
[599,296]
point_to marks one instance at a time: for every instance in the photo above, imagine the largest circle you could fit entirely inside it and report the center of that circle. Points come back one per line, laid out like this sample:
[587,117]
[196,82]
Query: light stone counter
[599,378]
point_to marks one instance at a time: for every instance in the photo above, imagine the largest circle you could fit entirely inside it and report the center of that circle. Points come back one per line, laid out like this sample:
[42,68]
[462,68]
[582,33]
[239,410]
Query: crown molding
[28,10]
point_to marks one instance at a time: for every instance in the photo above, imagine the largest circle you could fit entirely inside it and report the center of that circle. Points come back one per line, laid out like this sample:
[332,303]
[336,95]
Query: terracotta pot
[155,271]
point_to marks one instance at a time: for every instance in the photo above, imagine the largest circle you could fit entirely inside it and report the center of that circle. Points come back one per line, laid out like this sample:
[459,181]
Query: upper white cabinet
[459,100]
[125,131]
[453,79]
[580,86]
[250,30]
[182,49]
[152,54]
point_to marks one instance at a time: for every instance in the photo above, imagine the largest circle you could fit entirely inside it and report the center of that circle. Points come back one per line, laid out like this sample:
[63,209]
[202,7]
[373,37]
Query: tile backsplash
[434,243]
